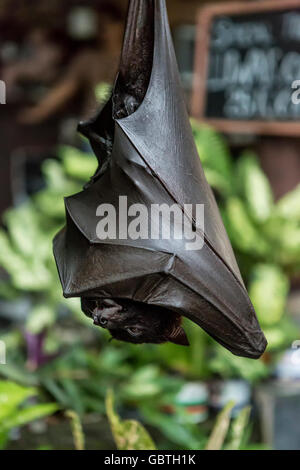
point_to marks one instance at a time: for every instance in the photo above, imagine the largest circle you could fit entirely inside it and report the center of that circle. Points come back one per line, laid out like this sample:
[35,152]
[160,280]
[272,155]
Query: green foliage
[266,239]
[234,431]
[227,366]
[103,92]
[268,290]
[281,335]
[238,429]
[77,165]
[14,413]
[26,243]
[218,435]
[190,362]
[254,187]
[77,431]
[144,383]
[242,231]
[131,435]
[289,206]
[215,157]
[128,434]
[27,272]
[264,231]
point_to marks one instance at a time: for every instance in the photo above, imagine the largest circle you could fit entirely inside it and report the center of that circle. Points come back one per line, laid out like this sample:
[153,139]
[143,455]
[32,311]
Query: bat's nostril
[103,321]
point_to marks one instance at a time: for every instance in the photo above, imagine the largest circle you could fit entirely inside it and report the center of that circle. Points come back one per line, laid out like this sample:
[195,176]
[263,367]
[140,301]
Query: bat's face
[135,322]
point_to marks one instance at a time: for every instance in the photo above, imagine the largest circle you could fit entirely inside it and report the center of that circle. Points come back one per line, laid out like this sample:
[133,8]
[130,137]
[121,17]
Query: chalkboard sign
[246,68]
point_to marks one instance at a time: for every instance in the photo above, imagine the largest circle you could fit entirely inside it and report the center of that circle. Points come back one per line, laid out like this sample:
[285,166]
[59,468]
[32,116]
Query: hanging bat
[139,288]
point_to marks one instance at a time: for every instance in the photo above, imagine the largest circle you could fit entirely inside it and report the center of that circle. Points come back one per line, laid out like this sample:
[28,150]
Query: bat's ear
[178,336]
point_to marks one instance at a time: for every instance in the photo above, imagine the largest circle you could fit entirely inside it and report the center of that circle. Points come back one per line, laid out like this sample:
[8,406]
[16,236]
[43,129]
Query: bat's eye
[133,331]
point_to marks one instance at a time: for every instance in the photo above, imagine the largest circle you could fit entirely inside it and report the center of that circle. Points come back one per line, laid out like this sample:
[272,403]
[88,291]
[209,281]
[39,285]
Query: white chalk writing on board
[226,33]
[252,67]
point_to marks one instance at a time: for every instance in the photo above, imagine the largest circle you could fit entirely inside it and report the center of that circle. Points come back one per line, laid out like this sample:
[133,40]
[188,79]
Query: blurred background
[58,60]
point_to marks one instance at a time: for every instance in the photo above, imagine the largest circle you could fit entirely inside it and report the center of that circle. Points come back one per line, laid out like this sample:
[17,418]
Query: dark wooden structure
[239,86]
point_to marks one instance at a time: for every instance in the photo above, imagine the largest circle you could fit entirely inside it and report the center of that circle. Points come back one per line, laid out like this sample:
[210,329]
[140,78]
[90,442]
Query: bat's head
[136,322]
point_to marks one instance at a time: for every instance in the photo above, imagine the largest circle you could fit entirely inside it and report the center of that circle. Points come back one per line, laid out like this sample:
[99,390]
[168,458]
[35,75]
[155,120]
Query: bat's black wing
[149,156]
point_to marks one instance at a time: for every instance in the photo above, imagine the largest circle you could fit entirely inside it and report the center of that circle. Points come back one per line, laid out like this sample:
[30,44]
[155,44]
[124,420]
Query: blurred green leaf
[50,204]
[8,291]
[289,246]
[74,395]
[13,413]
[228,366]
[215,157]
[187,436]
[78,165]
[219,433]
[103,91]
[15,372]
[288,207]
[268,292]
[128,434]
[55,176]
[242,231]
[254,187]
[27,273]
[238,428]
[282,334]
[216,181]
[3,439]
[25,231]
[77,431]
[11,396]
[41,317]
[144,383]
[27,415]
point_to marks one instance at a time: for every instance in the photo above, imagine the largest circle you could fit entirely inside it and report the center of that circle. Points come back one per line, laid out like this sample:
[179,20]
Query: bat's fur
[135,322]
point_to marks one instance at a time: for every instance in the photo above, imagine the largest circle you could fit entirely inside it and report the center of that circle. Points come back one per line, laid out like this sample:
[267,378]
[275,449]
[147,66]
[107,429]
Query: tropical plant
[265,234]
[128,434]
[26,247]
[17,408]
[77,431]
[265,237]
[226,433]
